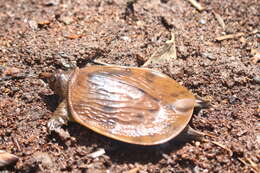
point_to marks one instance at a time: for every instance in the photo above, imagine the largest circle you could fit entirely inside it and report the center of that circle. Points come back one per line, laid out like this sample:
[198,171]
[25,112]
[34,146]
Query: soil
[44,36]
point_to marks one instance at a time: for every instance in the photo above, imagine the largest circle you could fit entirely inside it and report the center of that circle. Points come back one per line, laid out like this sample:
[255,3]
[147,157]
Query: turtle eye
[52,81]
[52,78]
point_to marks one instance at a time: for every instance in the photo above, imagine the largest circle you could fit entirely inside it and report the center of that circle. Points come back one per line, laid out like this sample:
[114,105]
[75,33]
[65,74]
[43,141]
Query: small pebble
[125,38]
[209,56]
[257,79]
[33,24]
[52,2]
[202,21]
[197,169]
[197,143]
[66,20]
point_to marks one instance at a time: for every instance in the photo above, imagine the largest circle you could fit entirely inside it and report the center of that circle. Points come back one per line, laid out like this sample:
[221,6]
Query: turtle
[130,104]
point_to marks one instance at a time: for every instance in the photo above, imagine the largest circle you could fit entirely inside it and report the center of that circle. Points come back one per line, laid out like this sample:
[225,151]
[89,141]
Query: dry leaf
[7,158]
[166,53]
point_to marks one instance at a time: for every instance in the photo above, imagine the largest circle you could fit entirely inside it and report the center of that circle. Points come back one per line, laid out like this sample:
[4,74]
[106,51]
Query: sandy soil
[44,36]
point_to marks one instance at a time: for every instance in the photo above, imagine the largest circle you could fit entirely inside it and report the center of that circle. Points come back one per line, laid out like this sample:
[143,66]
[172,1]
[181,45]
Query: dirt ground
[44,36]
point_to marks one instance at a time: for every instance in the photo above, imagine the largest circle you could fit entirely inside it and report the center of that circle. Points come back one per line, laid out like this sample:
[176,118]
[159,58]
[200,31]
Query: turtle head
[58,82]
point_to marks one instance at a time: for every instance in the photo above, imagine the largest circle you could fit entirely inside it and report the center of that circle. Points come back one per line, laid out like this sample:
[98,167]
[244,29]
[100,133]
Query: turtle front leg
[60,117]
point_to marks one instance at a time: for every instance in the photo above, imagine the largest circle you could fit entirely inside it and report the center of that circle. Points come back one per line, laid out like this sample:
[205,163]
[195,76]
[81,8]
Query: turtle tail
[200,103]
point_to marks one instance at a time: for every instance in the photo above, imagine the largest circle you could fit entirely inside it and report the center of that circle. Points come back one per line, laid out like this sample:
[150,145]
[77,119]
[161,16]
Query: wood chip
[197,5]
[166,53]
[230,36]
[72,36]
[43,22]
[7,158]
[220,20]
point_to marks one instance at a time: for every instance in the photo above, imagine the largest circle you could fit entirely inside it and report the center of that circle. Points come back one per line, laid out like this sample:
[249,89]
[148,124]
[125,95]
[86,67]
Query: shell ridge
[119,76]
[119,116]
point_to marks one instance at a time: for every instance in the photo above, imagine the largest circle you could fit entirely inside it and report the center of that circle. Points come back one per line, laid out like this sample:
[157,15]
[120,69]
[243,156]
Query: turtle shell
[133,105]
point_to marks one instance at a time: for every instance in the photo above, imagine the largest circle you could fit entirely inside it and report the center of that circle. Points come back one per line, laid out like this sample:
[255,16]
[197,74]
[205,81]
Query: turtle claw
[55,124]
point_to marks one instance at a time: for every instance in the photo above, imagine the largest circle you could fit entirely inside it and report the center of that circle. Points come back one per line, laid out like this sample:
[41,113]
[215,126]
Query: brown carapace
[133,105]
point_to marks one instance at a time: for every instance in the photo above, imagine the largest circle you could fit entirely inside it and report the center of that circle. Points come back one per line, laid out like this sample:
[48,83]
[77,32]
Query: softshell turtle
[134,105]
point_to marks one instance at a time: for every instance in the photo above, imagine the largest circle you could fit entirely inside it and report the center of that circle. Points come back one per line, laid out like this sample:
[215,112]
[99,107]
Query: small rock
[52,2]
[33,24]
[202,21]
[66,20]
[209,56]
[125,38]
[164,1]
[198,169]
[183,51]
[43,158]
[256,79]
[197,143]
[232,99]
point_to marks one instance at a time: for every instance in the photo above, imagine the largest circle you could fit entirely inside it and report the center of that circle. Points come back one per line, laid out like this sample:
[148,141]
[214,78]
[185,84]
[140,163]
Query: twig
[230,36]
[224,147]
[219,19]
[250,163]
[17,144]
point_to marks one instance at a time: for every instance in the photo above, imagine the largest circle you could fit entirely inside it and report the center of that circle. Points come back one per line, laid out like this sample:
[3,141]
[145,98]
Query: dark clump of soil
[44,36]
